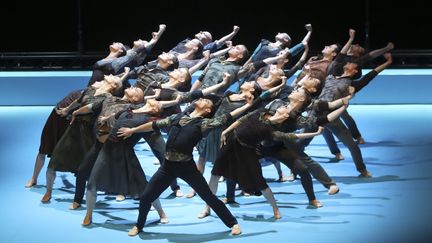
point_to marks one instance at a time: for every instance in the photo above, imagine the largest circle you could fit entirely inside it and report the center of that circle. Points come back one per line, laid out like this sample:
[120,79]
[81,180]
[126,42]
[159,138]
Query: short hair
[216,100]
[175,63]
[124,49]
[245,56]
[200,49]
[208,35]
[338,48]
[307,100]
[186,85]
[288,43]
[257,90]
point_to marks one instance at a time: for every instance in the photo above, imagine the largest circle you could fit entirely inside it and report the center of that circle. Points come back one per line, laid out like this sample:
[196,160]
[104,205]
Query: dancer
[114,63]
[78,137]
[185,132]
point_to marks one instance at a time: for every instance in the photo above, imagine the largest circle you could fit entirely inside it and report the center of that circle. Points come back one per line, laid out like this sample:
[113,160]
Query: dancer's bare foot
[277,214]
[74,206]
[163,219]
[120,198]
[191,194]
[339,157]
[178,193]
[87,220]
[46,197]
[361,140]
[236,230]
[31,183]
[315,203]
[291,177]
[333,189]
[365,174]
[228,200]
[204,213]
[282,178]
[134,231]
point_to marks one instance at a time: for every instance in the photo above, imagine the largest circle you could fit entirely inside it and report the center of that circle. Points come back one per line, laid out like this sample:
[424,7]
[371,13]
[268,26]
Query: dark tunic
[117,168]
[78,137]
[55,126]
[210,145]
[264,50]
[238,161]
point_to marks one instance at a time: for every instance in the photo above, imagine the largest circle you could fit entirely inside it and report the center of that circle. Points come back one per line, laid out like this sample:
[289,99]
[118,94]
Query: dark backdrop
[39,26]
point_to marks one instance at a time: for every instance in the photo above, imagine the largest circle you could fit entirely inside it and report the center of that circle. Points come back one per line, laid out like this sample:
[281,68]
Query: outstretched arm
[214,88]
[388,62]
[378,52]
[299,47]
[308,34]
[336,113]
[155,37]
[366,79]
[280,86]
[281,55]
[300,62]
[82,110]
[125,74]
[201,63]
[65,110]
[228,130]
[223,51]
[342,101]
[125,132]
[309,134]
[348,44]
[282,136]
[228,37]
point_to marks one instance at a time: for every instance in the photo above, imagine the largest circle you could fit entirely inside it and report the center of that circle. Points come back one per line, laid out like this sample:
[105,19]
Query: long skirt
[117,170]
[241,164]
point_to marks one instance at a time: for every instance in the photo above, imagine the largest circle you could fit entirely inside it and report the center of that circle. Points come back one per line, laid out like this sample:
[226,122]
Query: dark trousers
[331,142]
[157,145]
[316,170]
[290,158]
[84,171]
[187,171]
[351,124]
[344,135]
[352,127]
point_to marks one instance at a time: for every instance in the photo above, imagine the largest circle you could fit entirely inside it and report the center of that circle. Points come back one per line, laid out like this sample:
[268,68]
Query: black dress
[55,126]
[210,145]
[78,137]
[238,160]
[117,169]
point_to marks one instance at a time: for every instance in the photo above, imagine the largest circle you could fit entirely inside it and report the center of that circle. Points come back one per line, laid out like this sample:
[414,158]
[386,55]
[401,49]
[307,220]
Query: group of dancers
[240,111]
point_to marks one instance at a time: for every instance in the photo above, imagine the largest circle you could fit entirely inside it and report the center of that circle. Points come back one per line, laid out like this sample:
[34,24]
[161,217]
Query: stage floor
[391,206]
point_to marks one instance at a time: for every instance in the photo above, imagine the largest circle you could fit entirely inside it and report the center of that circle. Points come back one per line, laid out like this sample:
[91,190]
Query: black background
[42,26]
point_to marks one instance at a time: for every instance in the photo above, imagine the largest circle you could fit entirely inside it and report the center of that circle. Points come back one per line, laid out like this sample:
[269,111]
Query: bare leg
[50,177]
[213,184]
[91,202]
[39,163]
[268,194]
[277,165]
[157,205]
